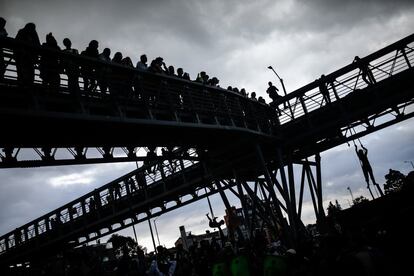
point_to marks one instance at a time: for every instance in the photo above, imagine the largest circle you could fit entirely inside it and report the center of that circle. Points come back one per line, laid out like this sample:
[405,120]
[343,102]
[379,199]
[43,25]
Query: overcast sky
[234,40]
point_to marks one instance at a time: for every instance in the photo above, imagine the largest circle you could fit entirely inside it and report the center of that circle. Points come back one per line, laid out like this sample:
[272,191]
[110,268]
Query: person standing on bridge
[367,75]
[26,58]
[88,72]
[366,168]
[71,68]
[324,89]
[3,34]
[49,65]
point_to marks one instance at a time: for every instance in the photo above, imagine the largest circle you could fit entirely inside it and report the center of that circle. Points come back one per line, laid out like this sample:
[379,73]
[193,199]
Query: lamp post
[352,196]
[411,162]
[156,230]
[283,87]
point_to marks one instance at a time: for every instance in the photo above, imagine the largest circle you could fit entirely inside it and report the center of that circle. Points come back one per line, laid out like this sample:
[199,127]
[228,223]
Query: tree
[125,245]
[360,200]
[394,181]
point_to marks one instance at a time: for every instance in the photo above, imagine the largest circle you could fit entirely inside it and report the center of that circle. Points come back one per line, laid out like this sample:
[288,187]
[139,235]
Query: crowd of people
[94,79]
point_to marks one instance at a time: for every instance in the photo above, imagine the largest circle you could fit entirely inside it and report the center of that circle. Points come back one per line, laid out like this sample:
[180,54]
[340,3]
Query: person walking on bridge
[367,75]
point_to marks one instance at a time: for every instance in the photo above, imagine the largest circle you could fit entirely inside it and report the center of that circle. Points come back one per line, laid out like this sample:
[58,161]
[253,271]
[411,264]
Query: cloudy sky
[234,40]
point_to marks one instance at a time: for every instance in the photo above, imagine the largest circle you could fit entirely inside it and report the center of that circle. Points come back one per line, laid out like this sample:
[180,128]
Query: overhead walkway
[158,110]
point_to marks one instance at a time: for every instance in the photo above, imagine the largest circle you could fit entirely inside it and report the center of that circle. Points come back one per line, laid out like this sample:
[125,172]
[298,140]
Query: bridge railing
[382,64]
[138,181]
[137,93]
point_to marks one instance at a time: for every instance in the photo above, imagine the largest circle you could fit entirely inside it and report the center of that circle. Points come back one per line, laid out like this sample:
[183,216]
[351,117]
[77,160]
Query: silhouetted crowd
[95,79]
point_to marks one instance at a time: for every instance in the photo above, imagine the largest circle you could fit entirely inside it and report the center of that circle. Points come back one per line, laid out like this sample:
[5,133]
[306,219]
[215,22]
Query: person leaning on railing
[3,34]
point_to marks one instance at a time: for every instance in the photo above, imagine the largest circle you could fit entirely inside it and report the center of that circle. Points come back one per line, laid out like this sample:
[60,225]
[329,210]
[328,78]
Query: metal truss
[35,157]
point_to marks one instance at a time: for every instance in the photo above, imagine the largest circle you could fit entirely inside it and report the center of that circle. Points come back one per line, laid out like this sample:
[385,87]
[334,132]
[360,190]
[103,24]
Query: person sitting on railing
[367,75]
[104,72]
[49,64]
[142,63]
[26,58]
[71,68]
[88,72]
[3,34]
[324,89]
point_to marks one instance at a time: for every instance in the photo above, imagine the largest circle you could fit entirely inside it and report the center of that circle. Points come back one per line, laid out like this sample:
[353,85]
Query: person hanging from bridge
[366,168]
[3,34]
[367,75]
[26,58]
[70,67]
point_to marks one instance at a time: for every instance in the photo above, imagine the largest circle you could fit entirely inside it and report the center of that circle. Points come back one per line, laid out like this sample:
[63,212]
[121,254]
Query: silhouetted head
[229,88]
[30,27]
[143,58]
[253,95]
[117,57]
[94,44]
[2,22]
[180,71]
[107,52]
[270,83]
[67,43]
[171,69]
[127,62]
[357,58]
